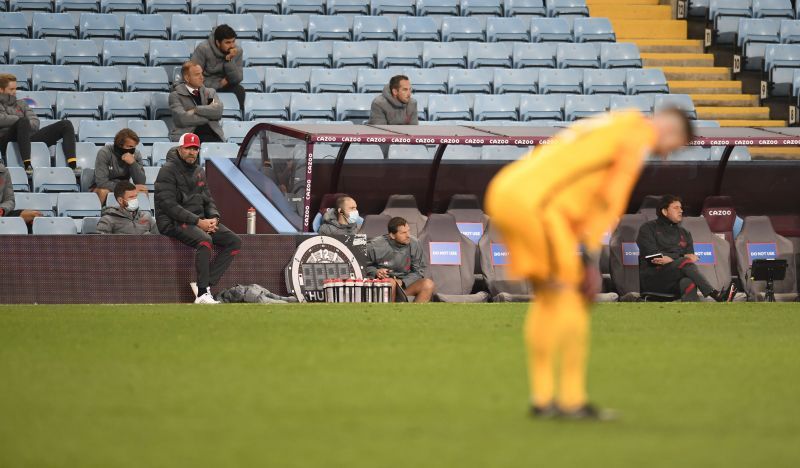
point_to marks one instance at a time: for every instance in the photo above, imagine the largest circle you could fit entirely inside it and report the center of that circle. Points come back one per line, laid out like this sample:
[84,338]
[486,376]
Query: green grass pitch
[440,385]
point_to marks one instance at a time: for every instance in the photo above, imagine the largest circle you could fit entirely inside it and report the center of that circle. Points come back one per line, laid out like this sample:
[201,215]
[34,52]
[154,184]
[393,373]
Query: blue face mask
[352,217]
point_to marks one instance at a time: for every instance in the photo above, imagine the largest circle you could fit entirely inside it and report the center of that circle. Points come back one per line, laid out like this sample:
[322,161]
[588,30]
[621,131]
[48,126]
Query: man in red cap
[186,211]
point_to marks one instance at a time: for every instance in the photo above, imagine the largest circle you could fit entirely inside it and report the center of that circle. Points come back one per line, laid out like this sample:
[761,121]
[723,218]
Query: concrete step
[774,152]
[731,100]
[697,73]
[649,29]
[705,87]
[661,59]
[732,113]
[644,12]
[622,2]
[677,46]
[752,123]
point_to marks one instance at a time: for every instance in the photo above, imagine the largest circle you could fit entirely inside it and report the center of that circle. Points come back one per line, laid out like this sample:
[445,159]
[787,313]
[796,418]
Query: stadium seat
[190,27]
[78,205]
[442,54]
[405,206]
[160,149]
[461,28]
[496,107]
[167,6]
[399,54]
[147,79]
[593,30]
[13,24]
[349,7]
[624,254]
[507,29]
[230,106]
[752,38]
[40,155]
[101,132]
[151,26]
[690,153]
[494,263]
[53,77]
[19,179]
[392,7]
[258,6]
[269,106]
[245,25]
[516,81]
[550,30]
[577,56]
[567,8]
[790,31]
[41,202]
[448,107]
[97,25]
[219,150]
[513,8]
[372,81]
[85,153]
[251,82]
[124,53]
[681,101]
[159,106]
[354,107]
[200,7]
[648,80]
[410,28]
[331,28]
[127,105]
[779,60]
[81,104]
[22,73]
[150,131]
[13,225]
[303,54]
[540,107]
[489,55]
[110,6]
[374,225]
[150,174]
[89,225]
[604,81]
[372,28]
[642,102]
[354,54]
[758,240]
[270,54]
[164,53]
[470,81]
[282,80]
[481,7]
[54,179]
[578,107]
[724,16]
[534,55]
[437,7]
[54,226]
[289,7]
[35,51]
[560,81]
[470,218]
[773,9]
[620,55]
[53,25]
[77,52]
[419,152]
[29,5]
[40,102]
[312,106]
[428,80]
[289,27]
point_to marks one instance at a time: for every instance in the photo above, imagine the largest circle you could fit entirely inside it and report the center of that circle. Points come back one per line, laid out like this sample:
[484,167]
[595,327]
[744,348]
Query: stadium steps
[752,123]
[673,46]
[720,99]
[774,153]
[627,29]
[663,12]
[705,87]
[697,73]
[677,60]
[732,113]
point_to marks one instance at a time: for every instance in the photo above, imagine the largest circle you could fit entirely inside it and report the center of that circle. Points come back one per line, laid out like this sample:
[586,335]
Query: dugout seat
[624,254]
[450,259]
[714,252]
[720,214]
[494,261]
[470,218]
[375,225]
[405,206]
[759,240]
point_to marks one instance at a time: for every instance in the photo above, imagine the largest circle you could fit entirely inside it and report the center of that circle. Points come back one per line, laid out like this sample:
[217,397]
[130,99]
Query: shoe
[726,295]
[206,298]
[589,412]
[193,285]
[544,412]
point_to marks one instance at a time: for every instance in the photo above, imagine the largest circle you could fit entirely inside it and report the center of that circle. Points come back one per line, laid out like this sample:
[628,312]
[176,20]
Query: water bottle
[327,288]
[367,288]
[338,287]
[251,220]
[358,291]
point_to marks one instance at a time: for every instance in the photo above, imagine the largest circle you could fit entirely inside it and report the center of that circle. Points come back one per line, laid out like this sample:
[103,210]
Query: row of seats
[723,15]
[753,36]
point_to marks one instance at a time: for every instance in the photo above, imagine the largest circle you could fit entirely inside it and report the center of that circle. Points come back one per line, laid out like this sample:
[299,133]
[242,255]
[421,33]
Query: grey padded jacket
[118,220]
[405,262]
[215,67]
[386,110]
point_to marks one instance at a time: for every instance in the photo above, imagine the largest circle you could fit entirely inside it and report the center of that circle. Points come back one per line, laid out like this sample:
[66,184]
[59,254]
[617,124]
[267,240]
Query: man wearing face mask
[342,220]
[195,108]
[126,218]
[186,211]
[118,162]
[222,62]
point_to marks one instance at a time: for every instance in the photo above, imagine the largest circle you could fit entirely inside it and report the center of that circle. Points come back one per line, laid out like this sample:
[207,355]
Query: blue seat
[200,7]
[752,39]
[354,107]
[779,60]
[525,7]
[681,101]
[328,28]
[230,106]
[246,26]
[85,154]
[109,6]
[620,55]
[773,9]
[697,8]
[53,25]
[219,150]
[190,27]
[409,152]
[550,30]
[269,54]
[312,106]
[567,8]
[167,6]
[77,5]
[77,52]
[410,28]
[35,202]
[443,54]
[425,80]
[159,105]
[448,107]
[534,55]
[163,53]
[124,53]
[29,51]
[496,107]
[577,56]
[81,104]
[99,25]
[124,105]
[89,224]
[53,77]
[560,81]
[470,81]
[160,149]
[147,79]
[40,102]
[593,30]
[455,28]
[392,7]
[99,131]
[151,26]
[22,73]
[302,54]
[604,81]
[399,54]
[51,226]
[150,131]
[724,15]
[282,80]
[354,54]
[333,81]
[646,80]
[516,81]
[150,174]
[373,28]
[495,55]
[30,5]
[54,179]
[236,131]
[258,6]
[19,179]
[373,81]
[40,155]
[78,205]
[350,7]
[642,103]
[13,24]
[507,29]
[540,107]
[437,7]
[481,7]
[579,107]
[290,7]
[288,27]
[14,225]
[790,31]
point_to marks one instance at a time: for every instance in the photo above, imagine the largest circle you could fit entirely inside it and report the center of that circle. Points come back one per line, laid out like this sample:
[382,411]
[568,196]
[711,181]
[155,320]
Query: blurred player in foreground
[562,196]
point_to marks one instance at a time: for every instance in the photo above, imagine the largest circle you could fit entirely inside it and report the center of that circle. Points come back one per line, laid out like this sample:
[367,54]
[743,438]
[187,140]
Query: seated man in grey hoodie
[126,218]
[195,108]
[341,220]
[118,162]
[399,256]
[222,62]
[395,106]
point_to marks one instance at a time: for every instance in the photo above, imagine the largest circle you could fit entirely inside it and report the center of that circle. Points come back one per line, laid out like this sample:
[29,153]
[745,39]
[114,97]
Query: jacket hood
[330,217]
[387,94]
[8,99]
[212,44]
[118,211]
[172,156]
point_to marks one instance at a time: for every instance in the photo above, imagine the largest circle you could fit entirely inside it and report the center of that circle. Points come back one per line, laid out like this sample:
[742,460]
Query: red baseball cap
[189,140]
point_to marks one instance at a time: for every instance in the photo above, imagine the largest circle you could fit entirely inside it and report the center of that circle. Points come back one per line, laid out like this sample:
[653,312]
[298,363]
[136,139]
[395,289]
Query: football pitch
[439,385]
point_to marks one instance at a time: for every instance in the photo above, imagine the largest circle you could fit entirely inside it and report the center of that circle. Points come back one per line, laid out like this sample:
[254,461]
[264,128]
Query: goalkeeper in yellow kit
[560,197]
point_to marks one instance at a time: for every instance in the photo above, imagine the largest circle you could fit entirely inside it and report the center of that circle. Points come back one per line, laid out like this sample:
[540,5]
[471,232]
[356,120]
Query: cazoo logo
[720,212]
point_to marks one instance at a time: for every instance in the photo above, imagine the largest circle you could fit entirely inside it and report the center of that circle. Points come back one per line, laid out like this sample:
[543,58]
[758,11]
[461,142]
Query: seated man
[118,162]
[195,108]
[395,106]
[126,218]
[222,62]
[399,256]
[341,220]
[186,211]
[7,200]
[667,258]
[18,123]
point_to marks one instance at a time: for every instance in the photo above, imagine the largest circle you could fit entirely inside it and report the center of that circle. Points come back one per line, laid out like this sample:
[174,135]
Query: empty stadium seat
[409,152]
[54,179]
[648,80]
[540,107]
[312,106]
[258,6]
[251,82]
[130,105]
[496,107]
[41,102]
[13,225]
[199,7]
[19,179]
[779,60]
[393,7]
[410,28]
[489,55]
[359,7]
[70,104]
[29,5]
[78,205]
[13,24]
[230,106]
[41,202]
[77,52]
[190,26]
[481,7]
[752,38]
[22,72]
[437,7]
[624,254]
[124,53]
[159,105]
[270,105]
[160,149]
[89,224]
[525,7]
[54,226]
[219,150]
[270,54]
[277,80]
[29,51]
[373,28]
[758,240]
[724,16]
[150,131]
[302,54]
[604,81]
[147,79]
[550,30]
[448,107]
[375,225]
[460,28]
[354,107]
[773,9]
[288,27]
[567,8]
[151,26]
[399,54]
[578,107]
[289,7]
[642,102]
[333,81]
[789,31]
[353,54]
[534,55]
[53,25]
[620,55]
[462,153]
[333,28]
[516,81]
[405,206]
[681,101]
[507,29]
[99,25]
[53,77]
[494,261]
[577,56]
[593,30]
[99,131]
[40,155]
[164,53]
[560,81]
[470,81]
[372,81]
[245,25]
[442,54]
[166,6]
